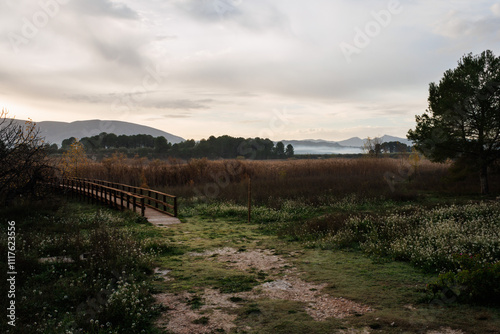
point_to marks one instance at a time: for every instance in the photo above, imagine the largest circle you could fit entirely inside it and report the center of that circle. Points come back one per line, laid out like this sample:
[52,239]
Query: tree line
[225,147]
[375,147]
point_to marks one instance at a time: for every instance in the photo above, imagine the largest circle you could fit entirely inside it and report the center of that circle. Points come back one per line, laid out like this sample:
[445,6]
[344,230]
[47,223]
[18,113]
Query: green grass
[396,290]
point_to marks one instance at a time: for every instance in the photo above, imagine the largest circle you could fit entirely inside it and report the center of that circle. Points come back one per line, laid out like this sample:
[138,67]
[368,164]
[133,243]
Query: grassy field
[404,247]
[395,289]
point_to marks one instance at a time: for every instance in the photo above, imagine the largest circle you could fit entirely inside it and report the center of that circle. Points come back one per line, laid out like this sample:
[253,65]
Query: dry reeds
[274,181]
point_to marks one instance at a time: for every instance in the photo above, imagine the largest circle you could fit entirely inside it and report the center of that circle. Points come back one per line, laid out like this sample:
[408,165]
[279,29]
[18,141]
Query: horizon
[187,138]
[271,69]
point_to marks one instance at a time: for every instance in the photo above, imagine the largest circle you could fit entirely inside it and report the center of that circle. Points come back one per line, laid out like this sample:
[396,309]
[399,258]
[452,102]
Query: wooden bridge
[158,208]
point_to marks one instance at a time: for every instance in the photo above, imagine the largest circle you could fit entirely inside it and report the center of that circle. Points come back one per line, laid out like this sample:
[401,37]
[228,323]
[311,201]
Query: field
[310,180]
[333,246]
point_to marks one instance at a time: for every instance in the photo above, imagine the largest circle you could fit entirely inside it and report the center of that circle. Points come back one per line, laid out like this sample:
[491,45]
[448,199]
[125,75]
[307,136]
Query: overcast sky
[282,69]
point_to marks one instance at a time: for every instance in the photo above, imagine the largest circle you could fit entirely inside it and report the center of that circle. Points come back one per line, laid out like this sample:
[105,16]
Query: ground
[232,277]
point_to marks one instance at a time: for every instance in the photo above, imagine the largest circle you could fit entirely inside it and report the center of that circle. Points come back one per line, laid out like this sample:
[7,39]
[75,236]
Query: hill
[56,132]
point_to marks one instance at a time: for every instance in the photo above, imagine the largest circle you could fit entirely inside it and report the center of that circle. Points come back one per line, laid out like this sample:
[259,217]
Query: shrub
[95,278]
[475,281]
[427,238]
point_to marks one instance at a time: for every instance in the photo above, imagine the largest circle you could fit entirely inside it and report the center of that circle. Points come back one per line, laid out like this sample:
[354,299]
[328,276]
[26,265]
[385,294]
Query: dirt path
[222,254]
[282,283]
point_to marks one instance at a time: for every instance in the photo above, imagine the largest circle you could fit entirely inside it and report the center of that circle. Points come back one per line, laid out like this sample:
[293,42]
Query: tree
[110,140]
[373,146]
[280,150]
[394,147]
[66,143]
[24,168]
[289,151]
[161,144]
[74,160]
[462,121]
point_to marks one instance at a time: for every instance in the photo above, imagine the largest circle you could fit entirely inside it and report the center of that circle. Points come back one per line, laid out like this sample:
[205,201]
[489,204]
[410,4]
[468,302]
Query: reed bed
[274,181]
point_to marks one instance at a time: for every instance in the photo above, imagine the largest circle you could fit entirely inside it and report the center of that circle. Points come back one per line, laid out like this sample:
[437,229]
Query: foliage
[429,239]
[463,118]
[111,141]
[289,151]
[225,147]
[23,164]
[373,146]
[394,147]
[80,271]
[476,281]
[74,160]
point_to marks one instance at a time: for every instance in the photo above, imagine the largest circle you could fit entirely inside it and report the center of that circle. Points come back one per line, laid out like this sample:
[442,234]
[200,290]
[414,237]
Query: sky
[278,69]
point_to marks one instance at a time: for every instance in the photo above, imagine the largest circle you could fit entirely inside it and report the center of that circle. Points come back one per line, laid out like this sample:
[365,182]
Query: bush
[430,239]
[474,282]
[81,272]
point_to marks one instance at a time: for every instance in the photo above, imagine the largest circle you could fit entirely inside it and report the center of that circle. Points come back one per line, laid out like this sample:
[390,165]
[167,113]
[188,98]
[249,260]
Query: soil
[283,283]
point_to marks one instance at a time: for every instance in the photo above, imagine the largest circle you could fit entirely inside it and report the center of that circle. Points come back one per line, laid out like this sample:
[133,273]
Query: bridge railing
[96,192]
[154,199]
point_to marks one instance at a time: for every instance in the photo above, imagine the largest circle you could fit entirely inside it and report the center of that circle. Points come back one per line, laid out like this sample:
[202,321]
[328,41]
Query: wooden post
[87,192]
[249,199]
[98,193]
[80,189]
[175,206]
[143,206]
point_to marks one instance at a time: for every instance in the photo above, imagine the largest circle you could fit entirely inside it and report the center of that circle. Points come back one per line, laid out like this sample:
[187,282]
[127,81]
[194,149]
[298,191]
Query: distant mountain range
[56,132]
[348,146]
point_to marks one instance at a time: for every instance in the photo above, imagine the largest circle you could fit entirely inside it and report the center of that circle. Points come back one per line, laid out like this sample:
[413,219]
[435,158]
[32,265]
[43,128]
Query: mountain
[352,142]
[387,138]
[56,132]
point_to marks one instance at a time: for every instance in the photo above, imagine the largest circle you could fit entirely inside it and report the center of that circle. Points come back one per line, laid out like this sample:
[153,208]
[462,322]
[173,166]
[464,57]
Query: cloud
[105,8]
[183,115]
[227,64]
[453,25]
[458,25]
[183,104]
[211,10]
[255,16]
[496,9]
